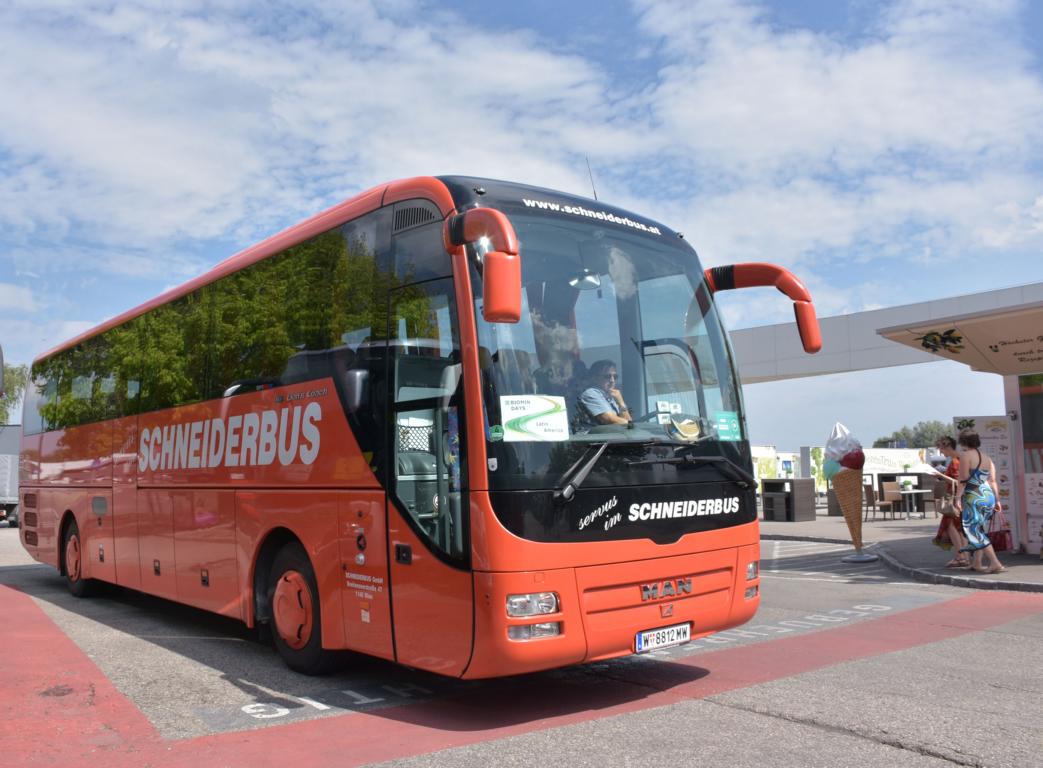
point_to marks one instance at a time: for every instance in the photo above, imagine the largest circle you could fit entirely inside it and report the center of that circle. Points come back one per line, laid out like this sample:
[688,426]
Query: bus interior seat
[417,483]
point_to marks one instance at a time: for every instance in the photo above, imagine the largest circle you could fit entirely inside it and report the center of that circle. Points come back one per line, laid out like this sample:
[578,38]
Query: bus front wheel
[72,561]
[296,614]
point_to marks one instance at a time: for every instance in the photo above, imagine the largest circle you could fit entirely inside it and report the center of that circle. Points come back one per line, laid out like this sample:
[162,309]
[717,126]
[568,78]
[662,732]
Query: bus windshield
[610,318]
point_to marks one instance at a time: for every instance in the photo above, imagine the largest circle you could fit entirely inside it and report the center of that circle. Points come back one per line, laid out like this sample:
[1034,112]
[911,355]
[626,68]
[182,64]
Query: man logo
[666,610]
[668,588]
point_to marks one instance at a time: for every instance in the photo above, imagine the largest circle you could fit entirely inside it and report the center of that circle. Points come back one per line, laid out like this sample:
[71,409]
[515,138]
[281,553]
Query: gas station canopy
[1008,341]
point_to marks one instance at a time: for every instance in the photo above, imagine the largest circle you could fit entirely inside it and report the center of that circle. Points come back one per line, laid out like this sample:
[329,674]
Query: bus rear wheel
[72,561]
[296,613]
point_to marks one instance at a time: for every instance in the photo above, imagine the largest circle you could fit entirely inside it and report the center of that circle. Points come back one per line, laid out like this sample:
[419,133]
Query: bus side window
[427,414]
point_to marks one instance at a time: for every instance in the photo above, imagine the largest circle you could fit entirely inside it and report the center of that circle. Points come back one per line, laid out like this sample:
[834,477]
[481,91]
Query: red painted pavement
[57,703]
[94,721]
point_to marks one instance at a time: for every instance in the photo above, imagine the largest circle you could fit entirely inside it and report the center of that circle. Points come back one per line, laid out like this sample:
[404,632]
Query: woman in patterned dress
[978,502]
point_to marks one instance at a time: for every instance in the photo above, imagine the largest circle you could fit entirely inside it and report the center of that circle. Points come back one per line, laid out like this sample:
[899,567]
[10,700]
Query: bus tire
[72,561]
[296,624]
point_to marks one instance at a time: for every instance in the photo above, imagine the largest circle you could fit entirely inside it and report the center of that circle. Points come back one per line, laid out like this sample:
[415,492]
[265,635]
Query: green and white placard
[534,418]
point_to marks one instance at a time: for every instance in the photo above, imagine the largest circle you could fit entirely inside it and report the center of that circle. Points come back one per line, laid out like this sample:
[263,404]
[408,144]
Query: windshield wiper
[735,470]
[577,473]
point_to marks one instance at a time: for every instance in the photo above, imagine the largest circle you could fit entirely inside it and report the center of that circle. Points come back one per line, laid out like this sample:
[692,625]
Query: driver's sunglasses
[612,376]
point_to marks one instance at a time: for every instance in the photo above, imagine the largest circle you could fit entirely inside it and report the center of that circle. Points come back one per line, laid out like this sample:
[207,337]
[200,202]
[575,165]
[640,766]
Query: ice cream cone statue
[843,467]
[847,484]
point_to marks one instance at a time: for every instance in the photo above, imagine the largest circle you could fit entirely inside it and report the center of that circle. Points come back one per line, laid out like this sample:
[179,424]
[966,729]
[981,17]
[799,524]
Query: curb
[919,574]
[788,537]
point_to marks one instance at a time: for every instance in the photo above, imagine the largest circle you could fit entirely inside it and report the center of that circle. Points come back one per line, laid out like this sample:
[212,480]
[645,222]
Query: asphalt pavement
[843,664]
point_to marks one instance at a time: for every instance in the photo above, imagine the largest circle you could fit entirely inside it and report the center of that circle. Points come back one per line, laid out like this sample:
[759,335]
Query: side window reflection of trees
[250,330]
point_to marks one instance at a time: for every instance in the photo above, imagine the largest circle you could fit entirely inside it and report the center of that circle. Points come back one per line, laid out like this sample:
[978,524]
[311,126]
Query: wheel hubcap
[72,558]
[293,610]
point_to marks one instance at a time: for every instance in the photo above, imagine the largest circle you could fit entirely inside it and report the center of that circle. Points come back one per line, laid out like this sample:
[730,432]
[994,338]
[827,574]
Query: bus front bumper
[603,608]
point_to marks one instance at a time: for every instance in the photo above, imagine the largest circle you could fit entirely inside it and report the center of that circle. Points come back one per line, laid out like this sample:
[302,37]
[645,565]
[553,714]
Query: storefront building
[999,332]
[1007,341]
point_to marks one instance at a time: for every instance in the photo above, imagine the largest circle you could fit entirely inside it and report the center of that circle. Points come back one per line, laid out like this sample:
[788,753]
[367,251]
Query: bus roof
[472,190]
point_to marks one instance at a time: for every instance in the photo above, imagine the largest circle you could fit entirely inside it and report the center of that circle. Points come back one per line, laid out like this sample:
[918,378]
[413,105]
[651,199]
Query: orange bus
[374,432]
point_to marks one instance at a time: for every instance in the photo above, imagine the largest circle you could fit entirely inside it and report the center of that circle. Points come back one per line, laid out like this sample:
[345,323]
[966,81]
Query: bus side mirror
[756,274]
[500,266]
[807,326]
[501,287]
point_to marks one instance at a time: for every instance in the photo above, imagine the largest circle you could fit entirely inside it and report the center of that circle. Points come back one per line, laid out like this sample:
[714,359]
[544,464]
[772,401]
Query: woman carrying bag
[950,527]
[978,502]
[999,531]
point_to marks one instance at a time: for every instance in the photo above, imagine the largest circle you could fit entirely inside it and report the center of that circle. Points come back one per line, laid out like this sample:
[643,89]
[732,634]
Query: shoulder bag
[999,532]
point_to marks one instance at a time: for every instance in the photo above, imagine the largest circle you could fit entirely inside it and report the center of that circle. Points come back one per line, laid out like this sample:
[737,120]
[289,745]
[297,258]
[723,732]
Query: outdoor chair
[892,499]
[869,495]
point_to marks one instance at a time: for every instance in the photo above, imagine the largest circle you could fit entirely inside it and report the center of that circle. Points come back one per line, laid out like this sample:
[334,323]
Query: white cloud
[16,299]
[915,144]
[135,136]
[147,121]
[756,102]
[24,339]
[152,122]
[1016,224]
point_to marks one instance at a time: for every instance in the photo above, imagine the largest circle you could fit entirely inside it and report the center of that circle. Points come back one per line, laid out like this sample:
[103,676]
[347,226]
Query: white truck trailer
[10,436]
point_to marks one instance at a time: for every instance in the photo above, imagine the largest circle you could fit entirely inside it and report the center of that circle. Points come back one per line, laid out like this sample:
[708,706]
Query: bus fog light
[535,604]
[751,593]
[534,631]
[752,570]
[547,629]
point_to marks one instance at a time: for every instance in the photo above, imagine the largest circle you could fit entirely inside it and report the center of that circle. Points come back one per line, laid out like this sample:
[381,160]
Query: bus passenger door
[428,542]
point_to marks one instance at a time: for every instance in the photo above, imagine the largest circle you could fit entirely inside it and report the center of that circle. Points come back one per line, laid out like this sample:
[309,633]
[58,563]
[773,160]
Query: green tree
[14,384]
[767,467]
[817,471]
[923,435]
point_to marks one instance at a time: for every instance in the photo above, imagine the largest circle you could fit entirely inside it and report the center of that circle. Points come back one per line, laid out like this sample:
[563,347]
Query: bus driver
[602,401]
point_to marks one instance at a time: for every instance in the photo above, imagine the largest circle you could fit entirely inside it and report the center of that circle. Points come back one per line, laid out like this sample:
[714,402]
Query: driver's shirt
[595,402]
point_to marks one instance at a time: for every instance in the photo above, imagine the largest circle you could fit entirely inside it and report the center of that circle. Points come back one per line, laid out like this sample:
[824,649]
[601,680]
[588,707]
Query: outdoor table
[907,500]
[791,499]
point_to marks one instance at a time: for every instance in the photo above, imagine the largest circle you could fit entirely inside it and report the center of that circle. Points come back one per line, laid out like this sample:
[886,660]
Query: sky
[886,152]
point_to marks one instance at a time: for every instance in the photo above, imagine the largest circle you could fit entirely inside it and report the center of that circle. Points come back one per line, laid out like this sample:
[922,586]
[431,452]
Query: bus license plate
[663,637]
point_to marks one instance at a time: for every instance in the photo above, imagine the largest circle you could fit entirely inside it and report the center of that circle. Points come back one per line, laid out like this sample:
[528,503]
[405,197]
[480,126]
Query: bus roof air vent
[413,213]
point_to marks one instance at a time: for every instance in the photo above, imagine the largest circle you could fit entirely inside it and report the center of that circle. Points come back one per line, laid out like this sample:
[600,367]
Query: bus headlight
[534,604]
[752,570]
